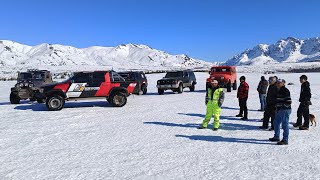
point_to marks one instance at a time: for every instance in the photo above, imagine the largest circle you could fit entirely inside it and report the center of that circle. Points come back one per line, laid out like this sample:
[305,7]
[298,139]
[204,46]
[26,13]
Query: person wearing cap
[283,111]
[214,101]
[269,111]
[303,110]
[262,90]
[242,95]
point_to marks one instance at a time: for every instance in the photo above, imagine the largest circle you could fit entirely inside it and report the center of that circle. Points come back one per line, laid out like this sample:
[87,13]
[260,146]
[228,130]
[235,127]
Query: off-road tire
[14,98]
[234,85]
[229,89]
[118,99]
[144,89]
[55,103]
[160,91]
[180,88]
[192,87]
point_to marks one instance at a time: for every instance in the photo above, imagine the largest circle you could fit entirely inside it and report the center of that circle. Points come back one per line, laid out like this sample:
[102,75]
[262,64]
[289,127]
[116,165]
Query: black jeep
[28,85]
[177,81]
[136,77]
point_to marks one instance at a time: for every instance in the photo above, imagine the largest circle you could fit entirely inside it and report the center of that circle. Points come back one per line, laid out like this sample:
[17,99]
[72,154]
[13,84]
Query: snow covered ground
[153,137]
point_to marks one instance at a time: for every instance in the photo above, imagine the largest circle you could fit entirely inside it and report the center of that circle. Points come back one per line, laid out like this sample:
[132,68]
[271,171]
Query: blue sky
[212,30]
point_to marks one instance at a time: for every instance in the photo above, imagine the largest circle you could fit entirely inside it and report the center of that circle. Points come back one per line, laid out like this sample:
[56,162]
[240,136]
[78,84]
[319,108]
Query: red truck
[83,85]
[225,75]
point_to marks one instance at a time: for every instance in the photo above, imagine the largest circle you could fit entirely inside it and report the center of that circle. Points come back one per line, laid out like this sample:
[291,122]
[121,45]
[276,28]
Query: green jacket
[215,95]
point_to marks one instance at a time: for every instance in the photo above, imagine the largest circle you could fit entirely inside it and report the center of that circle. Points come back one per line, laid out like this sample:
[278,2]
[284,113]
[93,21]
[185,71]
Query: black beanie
[242,78]
[304,77]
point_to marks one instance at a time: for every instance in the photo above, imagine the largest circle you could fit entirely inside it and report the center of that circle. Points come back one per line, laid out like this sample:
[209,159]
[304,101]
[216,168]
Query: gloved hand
[219,104]
[307,103]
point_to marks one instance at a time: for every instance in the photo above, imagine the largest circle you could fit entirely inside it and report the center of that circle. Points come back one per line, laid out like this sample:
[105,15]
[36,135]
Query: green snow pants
[212,110]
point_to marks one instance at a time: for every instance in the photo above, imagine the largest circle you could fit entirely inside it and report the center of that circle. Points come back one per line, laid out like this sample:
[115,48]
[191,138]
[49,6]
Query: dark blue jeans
[263,101]
[282,117]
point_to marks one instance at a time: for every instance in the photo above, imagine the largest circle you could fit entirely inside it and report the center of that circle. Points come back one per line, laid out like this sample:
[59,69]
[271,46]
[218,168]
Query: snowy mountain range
[123,56]
[289,50]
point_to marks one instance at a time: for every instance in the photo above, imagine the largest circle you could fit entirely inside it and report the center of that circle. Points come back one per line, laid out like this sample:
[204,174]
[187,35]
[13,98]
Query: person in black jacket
[303,110]
[262,90]
[269,111]
[283,106]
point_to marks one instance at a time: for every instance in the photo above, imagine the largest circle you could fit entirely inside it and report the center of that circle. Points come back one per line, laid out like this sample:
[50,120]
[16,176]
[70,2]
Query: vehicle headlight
[21,84]
[26,84]
[158,82]
[30,85]
[222,77]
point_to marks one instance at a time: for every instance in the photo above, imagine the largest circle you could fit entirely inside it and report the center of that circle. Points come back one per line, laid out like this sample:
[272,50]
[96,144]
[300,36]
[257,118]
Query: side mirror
[209,72]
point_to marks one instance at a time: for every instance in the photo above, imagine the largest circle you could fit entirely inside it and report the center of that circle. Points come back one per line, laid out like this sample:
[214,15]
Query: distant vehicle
[137,77]
[177,81]
[225,75]
[84,85]
[28,85]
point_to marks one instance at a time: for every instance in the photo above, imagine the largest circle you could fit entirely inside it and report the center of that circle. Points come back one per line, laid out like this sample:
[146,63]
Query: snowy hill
[123,56]
[290,50]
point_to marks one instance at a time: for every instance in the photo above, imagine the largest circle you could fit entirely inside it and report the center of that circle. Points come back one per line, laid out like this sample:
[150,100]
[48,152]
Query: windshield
[32,75]
[174,74]
[23,76]
[219,70]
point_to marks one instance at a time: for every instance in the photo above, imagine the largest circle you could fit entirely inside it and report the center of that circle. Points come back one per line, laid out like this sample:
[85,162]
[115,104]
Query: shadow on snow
[42,107]
[224,139]
[224,126]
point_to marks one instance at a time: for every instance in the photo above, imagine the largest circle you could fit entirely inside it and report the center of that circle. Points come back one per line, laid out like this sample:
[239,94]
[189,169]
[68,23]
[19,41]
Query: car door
[78,83]
[186,79]
[95,86]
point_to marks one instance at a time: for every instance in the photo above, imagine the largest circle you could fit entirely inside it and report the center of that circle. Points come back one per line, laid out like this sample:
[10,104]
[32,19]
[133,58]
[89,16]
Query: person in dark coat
[270,108]
[262,90]
[283,106]
[242,95]
[303,110]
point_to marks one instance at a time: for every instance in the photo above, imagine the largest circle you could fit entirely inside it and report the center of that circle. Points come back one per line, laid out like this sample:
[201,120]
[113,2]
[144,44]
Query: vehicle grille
[163,82]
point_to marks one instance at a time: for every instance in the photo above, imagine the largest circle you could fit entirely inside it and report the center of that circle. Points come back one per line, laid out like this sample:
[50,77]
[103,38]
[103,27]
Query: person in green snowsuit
[214,100]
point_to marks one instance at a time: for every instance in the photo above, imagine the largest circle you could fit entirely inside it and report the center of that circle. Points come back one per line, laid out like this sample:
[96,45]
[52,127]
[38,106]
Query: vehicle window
[221,70]
[81,77]
[191,74]
[38,75]
[185,74]
[116,77]
[143,76]
[25,76]
[174,74]
[127,76]
[98,77]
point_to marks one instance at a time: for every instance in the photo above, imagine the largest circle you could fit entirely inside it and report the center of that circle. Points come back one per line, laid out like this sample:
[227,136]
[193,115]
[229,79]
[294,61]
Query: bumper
[168,86]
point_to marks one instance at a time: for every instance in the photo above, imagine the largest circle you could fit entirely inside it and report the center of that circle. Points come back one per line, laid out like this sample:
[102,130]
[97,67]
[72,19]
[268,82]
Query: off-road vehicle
[225,75]
[138,77]
[28,85]
[177,81]
[84,85]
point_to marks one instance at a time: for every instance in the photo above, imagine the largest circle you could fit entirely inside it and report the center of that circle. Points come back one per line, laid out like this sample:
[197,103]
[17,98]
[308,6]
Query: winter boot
[274,139]
[201,127]
[282,142]
[303,128]
[296,125]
